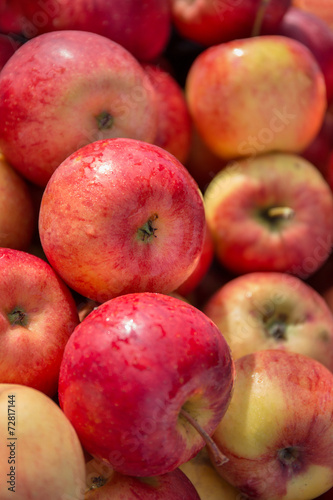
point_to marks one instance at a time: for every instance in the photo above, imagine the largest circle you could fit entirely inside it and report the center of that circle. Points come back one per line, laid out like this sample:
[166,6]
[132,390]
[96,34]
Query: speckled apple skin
[127,371]
[248,97]
[31,355]
[280,400]
[96,202]
[173,485]
[245,308]
[244,242]
[52,90]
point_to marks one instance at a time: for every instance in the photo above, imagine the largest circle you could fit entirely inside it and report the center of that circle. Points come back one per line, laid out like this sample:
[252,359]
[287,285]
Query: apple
[321,8]
[121,216]
[11,17]
[278,430]
[56,97]
[211,22]
[17,214]
[315,34]
[139,376]
[104,483]
[174,123]
[330,170]
[207,481]
[270,310]
[143,28]
[41,456]
[273,212]
[240,107]
[38,315]
[201,269]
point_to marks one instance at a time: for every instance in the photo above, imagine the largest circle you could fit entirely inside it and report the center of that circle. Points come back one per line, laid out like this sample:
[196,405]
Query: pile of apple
[166,231]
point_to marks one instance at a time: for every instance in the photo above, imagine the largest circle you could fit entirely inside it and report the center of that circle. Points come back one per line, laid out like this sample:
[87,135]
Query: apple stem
[256,29]
[216,453]
[285,213]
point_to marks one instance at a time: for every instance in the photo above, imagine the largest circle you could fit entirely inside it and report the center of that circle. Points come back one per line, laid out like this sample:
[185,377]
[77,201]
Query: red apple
[143,28]
[211,22]
[17,214]
[11,16]
[38,315]
[273,311]
[241,108]
[278,430]
[131,369]
[41,456]
[56,97]
[121,216]
[271,213]
[321,8]
[174,123]
[104,483]
[315,34]
[330,170]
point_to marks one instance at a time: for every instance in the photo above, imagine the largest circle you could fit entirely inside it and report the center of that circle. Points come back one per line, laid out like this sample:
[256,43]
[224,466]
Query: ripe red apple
[315,34]
[104,483]
[211,22]
[121,216]
[11,16]
[38,315]
[174,123]
[132,368]
[271,213]
[273,311]
[41,456]
[143,28]
[241,108]
[278,430]
[17,214]
[56,97]
[321,8]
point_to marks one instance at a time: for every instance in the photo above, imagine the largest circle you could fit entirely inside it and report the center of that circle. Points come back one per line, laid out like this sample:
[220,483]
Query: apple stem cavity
[104,120]
[289,456]
[256,29]
[218,457]
[147,231]
[18,317]
[96,482]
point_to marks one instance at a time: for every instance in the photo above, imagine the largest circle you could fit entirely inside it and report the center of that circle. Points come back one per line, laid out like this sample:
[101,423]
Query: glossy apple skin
[143,28]
[273,311]
[31,354]
[52,92]
[255,113]
[314,33]
[17,214]
[174,122]
[129,368]
[281,402]
[210,22]
[42,429]
[93,210]
[173,485]
[247,240]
